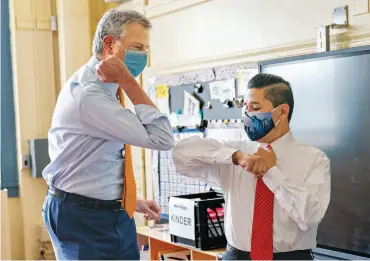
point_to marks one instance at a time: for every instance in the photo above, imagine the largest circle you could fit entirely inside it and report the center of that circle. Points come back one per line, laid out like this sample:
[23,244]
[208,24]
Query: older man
[92,195]
[277,189]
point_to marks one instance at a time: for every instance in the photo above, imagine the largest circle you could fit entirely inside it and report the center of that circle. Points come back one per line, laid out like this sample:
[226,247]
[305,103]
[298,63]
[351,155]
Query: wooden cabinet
[97,8]
[77,21]
[33,67]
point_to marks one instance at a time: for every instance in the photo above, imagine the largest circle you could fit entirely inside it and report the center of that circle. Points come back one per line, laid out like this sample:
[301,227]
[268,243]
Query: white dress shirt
[300,182]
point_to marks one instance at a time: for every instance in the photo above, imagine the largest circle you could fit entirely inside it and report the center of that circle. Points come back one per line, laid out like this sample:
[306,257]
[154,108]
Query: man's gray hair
[113,24]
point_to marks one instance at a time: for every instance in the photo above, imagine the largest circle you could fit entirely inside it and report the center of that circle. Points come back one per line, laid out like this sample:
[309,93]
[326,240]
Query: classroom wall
[193,34]
[186,35]
[5,236]
[218,31]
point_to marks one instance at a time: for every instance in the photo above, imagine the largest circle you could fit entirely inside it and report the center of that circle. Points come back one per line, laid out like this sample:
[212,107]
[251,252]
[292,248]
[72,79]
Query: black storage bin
[209,233]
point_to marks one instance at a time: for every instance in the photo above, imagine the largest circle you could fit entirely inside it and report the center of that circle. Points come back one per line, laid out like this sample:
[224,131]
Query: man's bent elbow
[168,144]
[180,167]
[164,144]
[178,158]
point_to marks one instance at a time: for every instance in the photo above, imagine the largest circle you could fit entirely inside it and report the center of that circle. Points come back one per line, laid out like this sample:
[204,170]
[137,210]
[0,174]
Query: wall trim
[168,6]
[137,5]
[341,39]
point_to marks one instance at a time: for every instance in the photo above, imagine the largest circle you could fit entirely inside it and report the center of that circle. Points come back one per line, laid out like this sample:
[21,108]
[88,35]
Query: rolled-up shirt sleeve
[104,117]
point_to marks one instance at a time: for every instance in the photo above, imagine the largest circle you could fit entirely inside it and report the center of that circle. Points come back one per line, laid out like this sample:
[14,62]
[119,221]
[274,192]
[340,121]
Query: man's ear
[108,43]
[284,111]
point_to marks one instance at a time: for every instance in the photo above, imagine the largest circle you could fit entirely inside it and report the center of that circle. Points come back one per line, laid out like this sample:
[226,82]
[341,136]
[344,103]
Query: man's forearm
[135,93]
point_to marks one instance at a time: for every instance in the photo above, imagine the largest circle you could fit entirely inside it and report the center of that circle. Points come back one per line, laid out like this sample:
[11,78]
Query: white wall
[218,29]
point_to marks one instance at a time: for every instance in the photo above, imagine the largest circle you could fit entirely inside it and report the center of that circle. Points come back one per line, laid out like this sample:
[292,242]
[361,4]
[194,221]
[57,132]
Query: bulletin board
[217,112]
[166,181]
[179,83]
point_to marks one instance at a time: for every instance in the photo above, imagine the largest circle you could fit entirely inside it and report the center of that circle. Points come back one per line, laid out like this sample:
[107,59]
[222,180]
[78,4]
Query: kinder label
[181,218]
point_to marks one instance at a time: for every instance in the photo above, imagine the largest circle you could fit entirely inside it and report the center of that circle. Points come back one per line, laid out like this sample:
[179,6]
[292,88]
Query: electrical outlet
[54,23]
[26,161]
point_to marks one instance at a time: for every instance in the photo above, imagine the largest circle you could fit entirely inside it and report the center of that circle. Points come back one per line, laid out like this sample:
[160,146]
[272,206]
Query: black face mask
[258,124]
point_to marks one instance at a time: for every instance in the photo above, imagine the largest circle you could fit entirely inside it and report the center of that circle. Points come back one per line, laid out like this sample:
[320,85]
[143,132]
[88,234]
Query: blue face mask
[258,124]
[135,61]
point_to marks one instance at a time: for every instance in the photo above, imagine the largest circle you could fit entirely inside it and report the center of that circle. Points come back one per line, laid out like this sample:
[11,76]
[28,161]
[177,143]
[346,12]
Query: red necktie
[262,242]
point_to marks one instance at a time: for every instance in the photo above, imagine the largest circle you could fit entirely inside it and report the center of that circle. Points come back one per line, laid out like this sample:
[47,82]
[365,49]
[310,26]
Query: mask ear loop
[279,119]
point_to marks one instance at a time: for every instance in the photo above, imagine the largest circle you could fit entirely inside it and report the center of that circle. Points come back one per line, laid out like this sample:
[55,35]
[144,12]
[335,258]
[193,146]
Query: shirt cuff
[225,156]
[147,114]
[273,178]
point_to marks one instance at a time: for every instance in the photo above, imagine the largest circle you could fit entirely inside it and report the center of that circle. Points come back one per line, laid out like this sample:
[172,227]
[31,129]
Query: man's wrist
[235,157]
[126,80]
[129,87]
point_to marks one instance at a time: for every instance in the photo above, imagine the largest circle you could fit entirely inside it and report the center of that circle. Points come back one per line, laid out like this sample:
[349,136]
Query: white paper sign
[188,120]
[162,97]
[215,90]
[191,104]
[182,218]
[243,78]
[222,90]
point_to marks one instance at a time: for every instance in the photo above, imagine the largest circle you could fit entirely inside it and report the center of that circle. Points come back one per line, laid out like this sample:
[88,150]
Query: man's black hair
[277,90]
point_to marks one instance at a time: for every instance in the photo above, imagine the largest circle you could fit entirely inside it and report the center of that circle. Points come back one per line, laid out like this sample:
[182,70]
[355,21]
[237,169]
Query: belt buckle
[120,205]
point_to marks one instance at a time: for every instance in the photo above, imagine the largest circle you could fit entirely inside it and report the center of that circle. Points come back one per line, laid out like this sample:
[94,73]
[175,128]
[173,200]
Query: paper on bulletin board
[243,78]
[222,90]
[191,105]
[162,96]
[188,120]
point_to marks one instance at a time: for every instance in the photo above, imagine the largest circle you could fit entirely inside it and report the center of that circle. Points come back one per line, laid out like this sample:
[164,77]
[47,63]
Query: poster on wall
[243,78]
[191,105]
[162,96]
[222,90]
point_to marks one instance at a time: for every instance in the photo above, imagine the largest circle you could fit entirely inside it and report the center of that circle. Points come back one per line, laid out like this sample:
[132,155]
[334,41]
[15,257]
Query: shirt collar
[93,61]
[280,145]
[91,64]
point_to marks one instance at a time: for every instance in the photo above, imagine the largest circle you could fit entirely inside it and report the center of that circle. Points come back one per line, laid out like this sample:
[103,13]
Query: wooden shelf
[159,239]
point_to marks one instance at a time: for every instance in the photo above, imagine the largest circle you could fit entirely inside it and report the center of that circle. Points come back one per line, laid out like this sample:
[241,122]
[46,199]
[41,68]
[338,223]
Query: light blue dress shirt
[88,132]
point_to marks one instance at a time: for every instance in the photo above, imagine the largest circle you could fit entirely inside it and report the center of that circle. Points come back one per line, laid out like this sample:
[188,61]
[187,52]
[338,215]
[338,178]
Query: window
[8,152]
